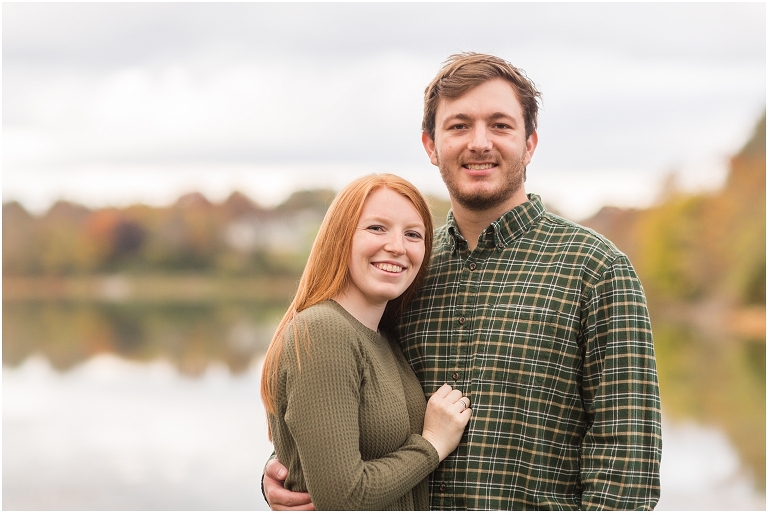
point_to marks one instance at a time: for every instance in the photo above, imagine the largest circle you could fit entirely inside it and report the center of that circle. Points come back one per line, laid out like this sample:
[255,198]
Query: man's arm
[276,495]
[621,451]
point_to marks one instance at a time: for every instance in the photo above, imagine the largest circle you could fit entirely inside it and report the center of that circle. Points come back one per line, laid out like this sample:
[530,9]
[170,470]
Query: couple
[542,323]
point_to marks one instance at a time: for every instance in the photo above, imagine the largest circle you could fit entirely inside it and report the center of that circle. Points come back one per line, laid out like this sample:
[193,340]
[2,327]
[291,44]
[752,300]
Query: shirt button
[500,246]
[472,266]
[442,487]
[455,376]
[462,320]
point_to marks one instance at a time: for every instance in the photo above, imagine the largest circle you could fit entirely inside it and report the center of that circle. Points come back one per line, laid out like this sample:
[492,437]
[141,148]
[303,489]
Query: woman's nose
[395,245]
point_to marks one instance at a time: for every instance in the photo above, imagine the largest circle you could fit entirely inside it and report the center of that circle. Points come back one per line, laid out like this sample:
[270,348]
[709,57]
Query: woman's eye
[376,228]
[414,235]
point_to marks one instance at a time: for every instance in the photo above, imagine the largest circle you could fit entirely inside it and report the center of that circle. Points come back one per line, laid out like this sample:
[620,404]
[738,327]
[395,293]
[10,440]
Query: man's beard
[485,200]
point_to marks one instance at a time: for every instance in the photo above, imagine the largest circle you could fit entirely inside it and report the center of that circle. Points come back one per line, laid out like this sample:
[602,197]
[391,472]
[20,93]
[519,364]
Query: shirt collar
[505,229]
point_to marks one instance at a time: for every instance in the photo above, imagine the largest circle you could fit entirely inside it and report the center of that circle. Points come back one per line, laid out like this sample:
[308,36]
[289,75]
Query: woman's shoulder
[322,329]
[326,315]
[325,321]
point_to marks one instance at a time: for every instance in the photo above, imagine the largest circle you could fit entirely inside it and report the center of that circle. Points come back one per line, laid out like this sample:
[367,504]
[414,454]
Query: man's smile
[479,167]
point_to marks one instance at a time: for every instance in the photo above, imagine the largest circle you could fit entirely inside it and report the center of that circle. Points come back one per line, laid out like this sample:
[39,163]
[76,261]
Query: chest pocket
[527,345]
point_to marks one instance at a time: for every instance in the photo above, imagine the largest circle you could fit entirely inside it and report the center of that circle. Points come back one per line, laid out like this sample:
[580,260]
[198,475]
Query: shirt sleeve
[322,417]
[621,451]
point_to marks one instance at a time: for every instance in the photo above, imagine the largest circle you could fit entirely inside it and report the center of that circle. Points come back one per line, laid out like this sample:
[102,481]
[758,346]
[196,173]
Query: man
[541,322]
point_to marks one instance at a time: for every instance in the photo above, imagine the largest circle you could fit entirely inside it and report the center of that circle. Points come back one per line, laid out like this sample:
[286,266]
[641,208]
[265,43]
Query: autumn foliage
[706,246]
[236,237]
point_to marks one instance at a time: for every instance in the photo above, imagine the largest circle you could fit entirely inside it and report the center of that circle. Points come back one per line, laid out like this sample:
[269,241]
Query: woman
[346,412]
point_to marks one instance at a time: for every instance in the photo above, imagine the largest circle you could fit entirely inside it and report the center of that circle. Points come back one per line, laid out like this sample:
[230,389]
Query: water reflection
[715,381]
[188,334]
[111,434]
[175,422]
[701,470]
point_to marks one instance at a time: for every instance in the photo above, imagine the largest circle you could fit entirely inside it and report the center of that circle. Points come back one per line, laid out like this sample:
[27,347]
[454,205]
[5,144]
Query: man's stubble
[482,199]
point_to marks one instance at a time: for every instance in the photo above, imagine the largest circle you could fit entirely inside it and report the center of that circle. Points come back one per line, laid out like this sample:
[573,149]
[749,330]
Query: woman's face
[387,248]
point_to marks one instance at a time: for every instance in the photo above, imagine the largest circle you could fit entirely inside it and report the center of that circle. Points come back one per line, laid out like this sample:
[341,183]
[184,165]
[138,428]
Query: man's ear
[429,147]
[530,146]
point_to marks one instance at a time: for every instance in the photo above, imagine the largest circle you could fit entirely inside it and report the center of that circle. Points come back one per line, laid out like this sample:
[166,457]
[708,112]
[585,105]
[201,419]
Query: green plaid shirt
[545,327]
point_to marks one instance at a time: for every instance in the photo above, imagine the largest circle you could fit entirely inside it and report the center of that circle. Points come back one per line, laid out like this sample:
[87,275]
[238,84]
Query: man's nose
[480,141]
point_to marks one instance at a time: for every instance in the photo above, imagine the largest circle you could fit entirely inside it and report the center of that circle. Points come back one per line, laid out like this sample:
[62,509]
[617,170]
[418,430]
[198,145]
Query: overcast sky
[110,103]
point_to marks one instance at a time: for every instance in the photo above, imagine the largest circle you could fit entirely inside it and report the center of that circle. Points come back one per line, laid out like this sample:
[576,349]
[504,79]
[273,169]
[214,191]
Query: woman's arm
[275,473]
[323,401]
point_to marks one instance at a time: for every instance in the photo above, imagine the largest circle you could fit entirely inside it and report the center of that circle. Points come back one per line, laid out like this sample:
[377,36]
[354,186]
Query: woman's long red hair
[327,274]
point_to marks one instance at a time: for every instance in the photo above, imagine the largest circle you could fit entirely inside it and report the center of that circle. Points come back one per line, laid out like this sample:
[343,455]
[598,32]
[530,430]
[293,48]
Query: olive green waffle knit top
[349,417]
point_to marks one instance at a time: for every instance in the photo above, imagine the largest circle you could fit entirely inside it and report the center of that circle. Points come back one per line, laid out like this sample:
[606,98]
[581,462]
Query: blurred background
[166,167]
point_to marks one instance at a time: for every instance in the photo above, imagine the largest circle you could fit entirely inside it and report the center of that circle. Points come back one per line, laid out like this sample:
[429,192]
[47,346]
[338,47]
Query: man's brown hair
[464,71]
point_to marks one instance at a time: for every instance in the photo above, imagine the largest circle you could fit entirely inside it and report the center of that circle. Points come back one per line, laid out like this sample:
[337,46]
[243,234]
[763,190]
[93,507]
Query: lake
[156,406]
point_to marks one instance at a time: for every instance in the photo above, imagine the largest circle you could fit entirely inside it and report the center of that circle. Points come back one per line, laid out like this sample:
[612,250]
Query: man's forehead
[490,96]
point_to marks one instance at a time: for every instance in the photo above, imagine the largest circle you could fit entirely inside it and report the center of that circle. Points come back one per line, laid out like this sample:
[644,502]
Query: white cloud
[628,89]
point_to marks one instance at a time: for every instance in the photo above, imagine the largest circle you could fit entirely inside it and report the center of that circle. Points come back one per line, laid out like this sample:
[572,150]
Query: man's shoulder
[576,237]
[556,232]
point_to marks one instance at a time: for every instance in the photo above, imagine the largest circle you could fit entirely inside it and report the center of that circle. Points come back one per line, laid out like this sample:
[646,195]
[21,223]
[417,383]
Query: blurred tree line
[234,238]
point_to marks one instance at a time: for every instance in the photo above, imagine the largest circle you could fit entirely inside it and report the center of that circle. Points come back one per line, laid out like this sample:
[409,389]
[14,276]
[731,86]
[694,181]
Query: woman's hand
[447,414]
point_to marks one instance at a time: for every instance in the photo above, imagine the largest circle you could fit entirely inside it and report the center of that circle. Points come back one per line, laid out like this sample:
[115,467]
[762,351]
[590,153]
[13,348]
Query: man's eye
[460,126]
[501,126]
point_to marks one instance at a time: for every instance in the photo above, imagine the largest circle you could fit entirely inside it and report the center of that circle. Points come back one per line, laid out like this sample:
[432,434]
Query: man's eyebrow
[506,119]
[461,116]
[466,117]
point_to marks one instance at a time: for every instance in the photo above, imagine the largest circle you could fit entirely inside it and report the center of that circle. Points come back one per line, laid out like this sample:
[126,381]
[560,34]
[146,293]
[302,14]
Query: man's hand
[277,496]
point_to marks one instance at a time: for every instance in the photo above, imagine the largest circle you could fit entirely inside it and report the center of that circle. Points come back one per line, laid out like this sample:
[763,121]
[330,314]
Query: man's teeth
[389,267]
[479,166]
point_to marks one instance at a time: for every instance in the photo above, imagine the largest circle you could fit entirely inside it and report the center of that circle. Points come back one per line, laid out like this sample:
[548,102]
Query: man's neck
[472,223]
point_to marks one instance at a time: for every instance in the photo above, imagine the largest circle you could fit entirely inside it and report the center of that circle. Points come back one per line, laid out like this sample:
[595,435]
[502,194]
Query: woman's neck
[368,314]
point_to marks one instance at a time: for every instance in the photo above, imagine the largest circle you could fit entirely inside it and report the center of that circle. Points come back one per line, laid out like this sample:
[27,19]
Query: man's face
[480,146]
